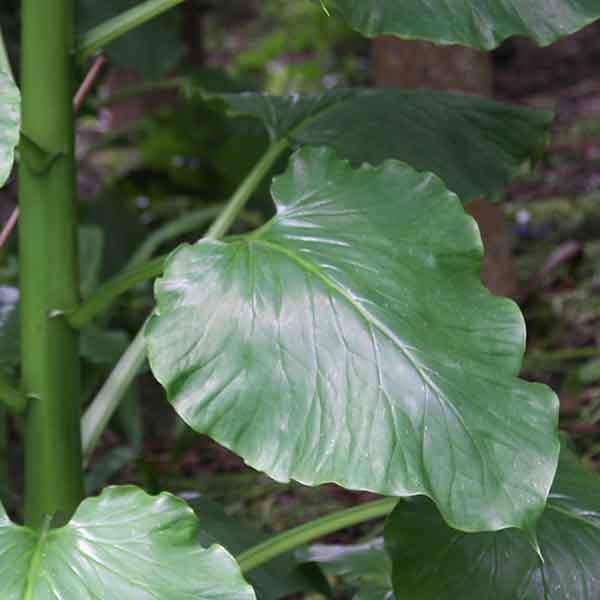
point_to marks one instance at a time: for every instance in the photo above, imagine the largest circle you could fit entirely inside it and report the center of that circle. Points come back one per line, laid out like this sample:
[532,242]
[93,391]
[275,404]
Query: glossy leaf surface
[123,544]
[432,561]
[10,119]
[351,340]
[482,24]
[475,146]
[279,577]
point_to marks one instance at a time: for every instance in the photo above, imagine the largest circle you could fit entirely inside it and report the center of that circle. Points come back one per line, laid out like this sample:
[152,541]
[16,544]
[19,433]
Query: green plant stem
[241,196]
[140,268]
[110,30]
[107,400]
[105,295]
[49,264]
[10,395]
[294,538]
[105,403]
[173,229]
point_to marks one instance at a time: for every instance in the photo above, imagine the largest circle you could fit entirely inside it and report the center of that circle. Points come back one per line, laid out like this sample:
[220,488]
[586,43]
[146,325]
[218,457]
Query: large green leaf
[10,119]
[482,24]
[434,562]
[279,577]
[123,544]
[476,146]
[351,340]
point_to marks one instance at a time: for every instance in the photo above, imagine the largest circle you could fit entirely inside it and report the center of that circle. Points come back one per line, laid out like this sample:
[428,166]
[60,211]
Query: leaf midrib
[36,558]
[371,320]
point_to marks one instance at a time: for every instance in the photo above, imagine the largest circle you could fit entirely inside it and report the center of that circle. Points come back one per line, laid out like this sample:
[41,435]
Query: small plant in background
[348,339]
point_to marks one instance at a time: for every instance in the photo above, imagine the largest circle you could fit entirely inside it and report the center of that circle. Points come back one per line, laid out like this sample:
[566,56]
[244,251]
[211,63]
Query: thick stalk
[104,404]
[48,263]
[299,536]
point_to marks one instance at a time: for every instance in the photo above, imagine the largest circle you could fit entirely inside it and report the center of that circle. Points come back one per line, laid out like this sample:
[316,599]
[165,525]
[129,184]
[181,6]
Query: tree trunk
[415,64]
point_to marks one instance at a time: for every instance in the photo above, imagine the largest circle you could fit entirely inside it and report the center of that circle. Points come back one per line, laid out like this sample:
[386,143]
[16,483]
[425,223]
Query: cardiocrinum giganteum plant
[349,339]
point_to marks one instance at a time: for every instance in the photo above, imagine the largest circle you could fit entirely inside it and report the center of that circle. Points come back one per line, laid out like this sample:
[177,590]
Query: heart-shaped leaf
[10,122]
[476,146]
[350,340]
[123,544]
[481,24]
[433,562]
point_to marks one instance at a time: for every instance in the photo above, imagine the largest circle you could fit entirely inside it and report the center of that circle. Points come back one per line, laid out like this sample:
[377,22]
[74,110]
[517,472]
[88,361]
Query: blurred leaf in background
[133,50]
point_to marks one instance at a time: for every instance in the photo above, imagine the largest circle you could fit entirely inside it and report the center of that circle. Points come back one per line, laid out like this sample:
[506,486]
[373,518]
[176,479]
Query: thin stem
[9,226]
[107,400]
[122,376]
[110,30]
[10,395]
[88,82]
[172,230]
[241,196]
[105,295]
[49,264]
[294,538]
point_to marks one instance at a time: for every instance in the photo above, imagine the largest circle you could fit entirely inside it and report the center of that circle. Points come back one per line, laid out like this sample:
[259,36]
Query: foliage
[434,561]
[298,318]
[347,339]
[123,543]
[482,25]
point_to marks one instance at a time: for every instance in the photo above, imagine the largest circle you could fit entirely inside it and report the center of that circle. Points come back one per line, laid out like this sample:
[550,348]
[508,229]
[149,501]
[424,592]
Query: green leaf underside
[279,577]
[483,24]
[432,561]
[475,146]
[10,118]
[351,340]
[122,544]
